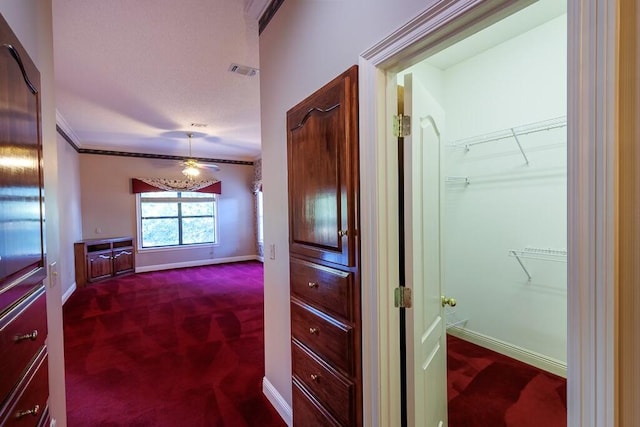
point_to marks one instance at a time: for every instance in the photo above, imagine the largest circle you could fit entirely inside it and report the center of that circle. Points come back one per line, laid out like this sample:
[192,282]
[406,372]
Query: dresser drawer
[22,334]
[329,338]
[28,403]
[329,289]
[308,412]
[336,393]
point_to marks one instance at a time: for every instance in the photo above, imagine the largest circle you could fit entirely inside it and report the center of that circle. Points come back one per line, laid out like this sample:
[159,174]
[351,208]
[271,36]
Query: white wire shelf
[542,254]
[453,320]
[511,133]
[460,180]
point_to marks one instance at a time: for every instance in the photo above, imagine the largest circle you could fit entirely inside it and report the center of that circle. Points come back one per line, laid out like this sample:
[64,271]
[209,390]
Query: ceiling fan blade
[209,166]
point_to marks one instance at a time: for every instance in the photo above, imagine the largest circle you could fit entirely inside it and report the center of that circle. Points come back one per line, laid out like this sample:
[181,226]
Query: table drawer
[327,337]
[23,332]
[335,392]
[326,288]
[28,404]
[309,412]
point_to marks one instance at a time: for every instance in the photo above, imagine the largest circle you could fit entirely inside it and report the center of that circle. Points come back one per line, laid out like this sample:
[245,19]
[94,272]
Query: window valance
[144,185]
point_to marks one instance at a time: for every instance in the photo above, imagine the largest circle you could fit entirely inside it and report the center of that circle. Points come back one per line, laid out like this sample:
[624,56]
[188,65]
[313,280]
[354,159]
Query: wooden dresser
[100,259]
[24,384]
[322,147]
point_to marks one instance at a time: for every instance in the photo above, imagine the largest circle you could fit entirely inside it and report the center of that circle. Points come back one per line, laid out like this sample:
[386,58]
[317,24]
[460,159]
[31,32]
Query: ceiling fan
[191,167]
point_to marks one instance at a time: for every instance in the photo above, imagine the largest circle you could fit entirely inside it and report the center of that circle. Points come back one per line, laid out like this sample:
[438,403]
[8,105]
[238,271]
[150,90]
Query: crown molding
[161,156]
[63,133]
[268,13]
[255,8]
[65,130]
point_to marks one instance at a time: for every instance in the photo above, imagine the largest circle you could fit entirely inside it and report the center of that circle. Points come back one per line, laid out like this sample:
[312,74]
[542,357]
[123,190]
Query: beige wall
[305,45]
[68,196]
[32,23]
[70,221]
[109,207]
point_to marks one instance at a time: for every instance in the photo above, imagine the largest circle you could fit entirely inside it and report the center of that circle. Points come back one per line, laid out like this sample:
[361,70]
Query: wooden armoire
[24,383]
[322,148]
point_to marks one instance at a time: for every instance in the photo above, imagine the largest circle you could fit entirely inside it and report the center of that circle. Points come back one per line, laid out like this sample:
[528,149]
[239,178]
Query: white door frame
[591,144]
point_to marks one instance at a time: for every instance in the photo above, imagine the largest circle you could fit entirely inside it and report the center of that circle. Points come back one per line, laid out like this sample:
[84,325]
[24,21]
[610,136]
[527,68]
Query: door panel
[322,148]
[426,326]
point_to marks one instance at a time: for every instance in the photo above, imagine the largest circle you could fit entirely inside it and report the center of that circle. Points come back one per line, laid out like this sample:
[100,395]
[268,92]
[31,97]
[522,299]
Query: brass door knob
[34,412]
[451,302]
[24,337]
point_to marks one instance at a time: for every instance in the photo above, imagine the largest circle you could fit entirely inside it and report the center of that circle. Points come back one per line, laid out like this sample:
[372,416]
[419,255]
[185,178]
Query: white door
[426,325]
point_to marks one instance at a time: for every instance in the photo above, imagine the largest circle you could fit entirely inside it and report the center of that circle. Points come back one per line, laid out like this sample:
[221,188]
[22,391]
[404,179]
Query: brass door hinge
[401,125]
[403,297]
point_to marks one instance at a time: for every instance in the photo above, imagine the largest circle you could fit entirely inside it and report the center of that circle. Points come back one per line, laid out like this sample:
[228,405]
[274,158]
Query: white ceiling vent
[243,69]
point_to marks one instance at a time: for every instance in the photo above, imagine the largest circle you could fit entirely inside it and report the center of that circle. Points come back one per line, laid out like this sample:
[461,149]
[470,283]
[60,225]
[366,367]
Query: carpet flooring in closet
[488,389]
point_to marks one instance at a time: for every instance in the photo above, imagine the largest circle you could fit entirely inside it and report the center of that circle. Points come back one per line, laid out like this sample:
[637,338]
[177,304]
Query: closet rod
[516,131]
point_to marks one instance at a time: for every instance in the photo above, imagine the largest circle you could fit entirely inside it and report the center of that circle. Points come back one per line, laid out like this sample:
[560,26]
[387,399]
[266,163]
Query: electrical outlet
[272,251]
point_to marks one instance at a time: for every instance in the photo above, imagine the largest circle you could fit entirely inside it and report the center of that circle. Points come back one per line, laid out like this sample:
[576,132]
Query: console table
[103,258]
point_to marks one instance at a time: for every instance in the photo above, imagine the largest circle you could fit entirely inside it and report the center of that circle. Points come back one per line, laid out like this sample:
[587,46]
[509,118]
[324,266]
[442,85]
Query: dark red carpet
[172,348]
[487,389]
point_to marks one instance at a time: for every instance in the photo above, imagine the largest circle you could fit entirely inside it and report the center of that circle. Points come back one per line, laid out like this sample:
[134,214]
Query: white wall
[32,23]
[109,207]
[71,220]
[508,205]
[305,45]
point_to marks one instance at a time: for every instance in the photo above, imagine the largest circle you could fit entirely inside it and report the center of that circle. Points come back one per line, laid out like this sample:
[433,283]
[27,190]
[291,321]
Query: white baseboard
[260,258]
[197,263]
[526,356]
[68,292]
[278,402]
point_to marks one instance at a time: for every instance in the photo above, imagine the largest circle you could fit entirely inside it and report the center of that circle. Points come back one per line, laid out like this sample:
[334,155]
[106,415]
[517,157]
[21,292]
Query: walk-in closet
[497,103]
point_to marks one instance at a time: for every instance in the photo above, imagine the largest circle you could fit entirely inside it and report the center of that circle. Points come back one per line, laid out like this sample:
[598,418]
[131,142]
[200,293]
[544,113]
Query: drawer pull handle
[105,256]
[314,331]
[35,411]
[32,336]
[315,377]
[313,285]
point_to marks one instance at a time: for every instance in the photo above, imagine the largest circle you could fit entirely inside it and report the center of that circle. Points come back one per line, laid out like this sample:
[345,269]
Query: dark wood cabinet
[24,385]
[100,259]
[323,172]
[326,330]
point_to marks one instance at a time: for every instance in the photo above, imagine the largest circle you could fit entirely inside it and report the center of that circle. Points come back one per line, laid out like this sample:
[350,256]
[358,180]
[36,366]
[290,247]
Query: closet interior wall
[506,194]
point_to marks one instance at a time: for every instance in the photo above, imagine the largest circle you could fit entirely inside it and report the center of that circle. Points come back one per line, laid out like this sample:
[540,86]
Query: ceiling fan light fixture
[190,168]
[190,171]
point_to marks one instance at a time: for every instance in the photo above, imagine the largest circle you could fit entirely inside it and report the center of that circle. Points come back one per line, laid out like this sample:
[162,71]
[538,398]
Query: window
[177,219]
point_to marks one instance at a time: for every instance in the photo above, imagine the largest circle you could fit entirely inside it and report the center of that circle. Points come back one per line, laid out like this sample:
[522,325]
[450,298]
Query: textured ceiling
[132,75]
